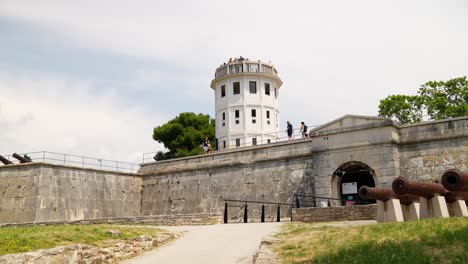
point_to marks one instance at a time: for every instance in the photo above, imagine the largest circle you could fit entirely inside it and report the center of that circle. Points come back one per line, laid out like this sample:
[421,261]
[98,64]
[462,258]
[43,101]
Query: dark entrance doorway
[351,177]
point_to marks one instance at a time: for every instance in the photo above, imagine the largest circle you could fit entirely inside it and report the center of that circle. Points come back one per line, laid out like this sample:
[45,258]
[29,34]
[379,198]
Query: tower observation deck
[246,103]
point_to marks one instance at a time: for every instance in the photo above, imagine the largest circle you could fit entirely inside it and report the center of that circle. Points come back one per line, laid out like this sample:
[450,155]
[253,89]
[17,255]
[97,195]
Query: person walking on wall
[303,130]
[289,130]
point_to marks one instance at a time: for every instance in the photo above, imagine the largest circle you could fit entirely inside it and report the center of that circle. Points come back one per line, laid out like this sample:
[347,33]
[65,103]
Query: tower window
[267,88]
[224,143]
[269,141]
[267,113]
[254,121]
[237,121]
[237,113]
[254,141]
[253,87]
[223,90]
[237,142]
[268,122]
[236,88]
[276,93]
[224,116]
[254,113]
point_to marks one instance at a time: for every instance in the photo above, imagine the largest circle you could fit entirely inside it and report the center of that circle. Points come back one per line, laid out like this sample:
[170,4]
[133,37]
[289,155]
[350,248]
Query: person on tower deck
[289,130]
[303,130]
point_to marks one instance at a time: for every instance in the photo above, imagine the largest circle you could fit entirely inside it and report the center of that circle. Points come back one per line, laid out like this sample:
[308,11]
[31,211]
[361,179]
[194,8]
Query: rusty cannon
[381,194]
[392,207]
[455,180]
[424,189]
[22,159]
[5,160]
[432,196]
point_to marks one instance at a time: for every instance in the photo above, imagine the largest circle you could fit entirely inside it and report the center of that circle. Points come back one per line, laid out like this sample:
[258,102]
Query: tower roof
[243,66]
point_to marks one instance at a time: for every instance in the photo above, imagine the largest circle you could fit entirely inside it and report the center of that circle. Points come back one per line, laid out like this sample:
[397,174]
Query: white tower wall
[263,124]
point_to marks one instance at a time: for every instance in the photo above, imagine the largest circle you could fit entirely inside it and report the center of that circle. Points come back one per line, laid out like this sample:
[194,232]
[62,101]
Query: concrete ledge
[336,213]
[177,219]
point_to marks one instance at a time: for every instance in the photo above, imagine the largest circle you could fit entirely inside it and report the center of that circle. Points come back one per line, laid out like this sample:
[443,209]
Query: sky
[95,77]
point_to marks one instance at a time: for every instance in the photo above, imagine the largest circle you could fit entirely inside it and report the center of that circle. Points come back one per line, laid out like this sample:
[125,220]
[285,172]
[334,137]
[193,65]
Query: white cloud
[55,114]
[335,57]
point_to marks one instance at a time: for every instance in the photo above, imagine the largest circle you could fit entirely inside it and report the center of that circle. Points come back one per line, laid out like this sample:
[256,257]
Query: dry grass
[24,239]
[425,241]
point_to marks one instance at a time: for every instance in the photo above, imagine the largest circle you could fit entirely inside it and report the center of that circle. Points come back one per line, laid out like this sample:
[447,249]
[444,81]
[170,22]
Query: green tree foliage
[405,108]
[440,100]
[445,99]
[183,135]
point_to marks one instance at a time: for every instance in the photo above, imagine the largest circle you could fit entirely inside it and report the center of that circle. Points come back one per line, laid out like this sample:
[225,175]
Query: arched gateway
[348,178]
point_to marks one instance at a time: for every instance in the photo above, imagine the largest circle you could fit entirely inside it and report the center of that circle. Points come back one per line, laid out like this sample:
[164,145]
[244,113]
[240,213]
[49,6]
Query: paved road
[223,243]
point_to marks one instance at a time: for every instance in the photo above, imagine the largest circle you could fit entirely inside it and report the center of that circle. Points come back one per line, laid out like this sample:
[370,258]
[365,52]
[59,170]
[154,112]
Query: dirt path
[223,243]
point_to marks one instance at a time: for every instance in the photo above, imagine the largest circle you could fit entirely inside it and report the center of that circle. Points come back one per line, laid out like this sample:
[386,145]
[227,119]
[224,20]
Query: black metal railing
[245,203]
[320,201]
[76,160]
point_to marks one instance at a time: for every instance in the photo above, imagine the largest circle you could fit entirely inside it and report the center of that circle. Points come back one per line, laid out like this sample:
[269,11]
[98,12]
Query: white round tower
[246,103]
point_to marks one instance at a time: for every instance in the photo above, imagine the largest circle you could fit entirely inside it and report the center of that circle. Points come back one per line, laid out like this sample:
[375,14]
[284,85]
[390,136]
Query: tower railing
[245,66]
[280,136]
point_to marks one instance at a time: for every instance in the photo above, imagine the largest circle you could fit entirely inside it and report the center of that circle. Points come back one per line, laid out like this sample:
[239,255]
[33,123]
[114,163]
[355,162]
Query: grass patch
[424,241]
[30,238]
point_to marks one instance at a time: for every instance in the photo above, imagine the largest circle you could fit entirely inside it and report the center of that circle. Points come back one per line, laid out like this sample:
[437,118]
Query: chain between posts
[246,214]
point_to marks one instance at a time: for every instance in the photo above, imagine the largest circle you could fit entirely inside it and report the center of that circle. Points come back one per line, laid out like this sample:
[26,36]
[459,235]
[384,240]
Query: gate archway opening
[347,180]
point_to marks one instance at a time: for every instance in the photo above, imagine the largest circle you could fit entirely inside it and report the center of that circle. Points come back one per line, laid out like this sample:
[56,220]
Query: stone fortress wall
[274,172]
[41,192]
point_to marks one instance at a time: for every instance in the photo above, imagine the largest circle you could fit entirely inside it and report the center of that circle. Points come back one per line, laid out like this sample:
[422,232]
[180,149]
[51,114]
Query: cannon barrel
[455,180]
[21,158]
[424,189]
[381,194]
[5,161]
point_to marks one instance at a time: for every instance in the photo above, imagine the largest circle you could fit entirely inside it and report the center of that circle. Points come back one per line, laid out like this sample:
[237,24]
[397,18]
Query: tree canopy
[184,134]
[438,98]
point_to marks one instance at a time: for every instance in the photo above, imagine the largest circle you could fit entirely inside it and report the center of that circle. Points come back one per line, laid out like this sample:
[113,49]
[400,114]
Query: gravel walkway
[223,243]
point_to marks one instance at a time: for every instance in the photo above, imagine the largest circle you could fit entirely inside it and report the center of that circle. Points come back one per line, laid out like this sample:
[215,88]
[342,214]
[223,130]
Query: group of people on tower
[302,130]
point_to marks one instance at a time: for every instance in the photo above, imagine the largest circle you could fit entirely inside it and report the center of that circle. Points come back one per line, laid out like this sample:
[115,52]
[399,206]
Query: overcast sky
[94,77]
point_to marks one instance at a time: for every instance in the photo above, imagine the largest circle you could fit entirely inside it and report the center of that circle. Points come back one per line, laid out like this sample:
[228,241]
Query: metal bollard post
[262,219]
[278,214]
[225,213]
[245,214]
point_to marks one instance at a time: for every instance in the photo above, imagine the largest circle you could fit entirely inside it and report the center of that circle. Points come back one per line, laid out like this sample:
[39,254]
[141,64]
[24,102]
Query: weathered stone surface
[265,253]
[113,232]
[88,254]
[36,192]
[180,189]
[338,213]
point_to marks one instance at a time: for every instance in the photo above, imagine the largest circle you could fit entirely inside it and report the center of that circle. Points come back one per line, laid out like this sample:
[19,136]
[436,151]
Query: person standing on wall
[289,130]
[303,130]
[205,145]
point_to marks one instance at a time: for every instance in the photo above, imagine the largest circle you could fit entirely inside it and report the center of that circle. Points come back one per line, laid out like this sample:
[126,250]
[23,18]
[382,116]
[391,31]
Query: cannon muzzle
[455,180]
[424,189]
[22,159]
[381,194]
[5,160]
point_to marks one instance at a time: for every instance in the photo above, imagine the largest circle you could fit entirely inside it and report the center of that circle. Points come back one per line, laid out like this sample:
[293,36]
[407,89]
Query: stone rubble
[85,254]
[265,253]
